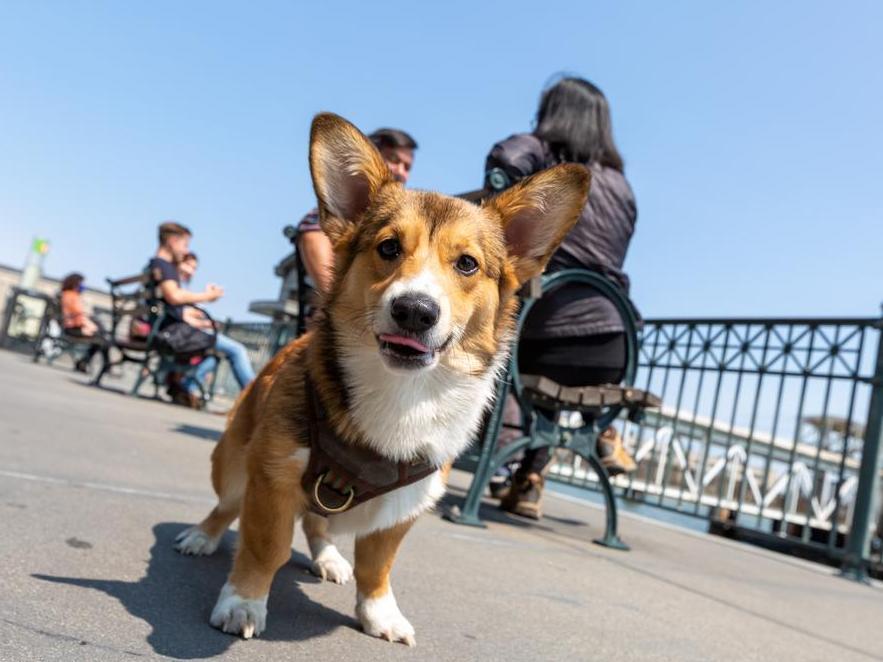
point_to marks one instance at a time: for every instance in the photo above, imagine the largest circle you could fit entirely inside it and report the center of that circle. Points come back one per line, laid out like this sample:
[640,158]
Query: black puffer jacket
[598,241]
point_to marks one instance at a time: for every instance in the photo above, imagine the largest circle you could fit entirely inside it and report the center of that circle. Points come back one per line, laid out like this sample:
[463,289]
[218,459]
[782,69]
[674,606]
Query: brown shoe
[187,399]
[525,496]
[614,457]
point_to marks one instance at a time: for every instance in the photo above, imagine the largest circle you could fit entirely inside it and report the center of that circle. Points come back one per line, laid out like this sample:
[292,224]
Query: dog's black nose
[415,312]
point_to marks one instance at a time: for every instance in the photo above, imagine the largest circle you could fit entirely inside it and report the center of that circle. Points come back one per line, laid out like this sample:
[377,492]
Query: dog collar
[340,476]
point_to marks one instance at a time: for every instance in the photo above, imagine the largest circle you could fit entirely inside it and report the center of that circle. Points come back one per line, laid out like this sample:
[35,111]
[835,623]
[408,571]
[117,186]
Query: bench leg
[611,537]
[105,367]
[469,514]
[143,372]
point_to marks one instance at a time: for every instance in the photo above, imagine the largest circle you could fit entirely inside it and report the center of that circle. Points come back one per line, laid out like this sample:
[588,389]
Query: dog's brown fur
[257,465]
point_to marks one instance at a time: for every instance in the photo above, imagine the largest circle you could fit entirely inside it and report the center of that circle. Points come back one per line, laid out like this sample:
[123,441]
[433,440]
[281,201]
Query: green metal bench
[53,341]
[134,304]
[598,405]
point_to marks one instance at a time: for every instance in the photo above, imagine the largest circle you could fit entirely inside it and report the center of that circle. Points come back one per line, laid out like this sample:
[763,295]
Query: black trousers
[570,361]
[100,344]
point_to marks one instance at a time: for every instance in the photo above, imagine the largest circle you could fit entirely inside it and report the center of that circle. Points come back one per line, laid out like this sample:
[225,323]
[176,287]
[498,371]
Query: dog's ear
[537,213]
[347,172]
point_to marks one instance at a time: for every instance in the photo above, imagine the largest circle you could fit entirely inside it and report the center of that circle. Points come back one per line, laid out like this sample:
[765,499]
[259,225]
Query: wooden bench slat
[542,385]
[590,397]
[570,394]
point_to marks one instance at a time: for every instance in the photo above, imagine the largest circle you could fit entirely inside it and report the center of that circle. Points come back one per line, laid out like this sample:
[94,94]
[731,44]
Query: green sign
[40,246]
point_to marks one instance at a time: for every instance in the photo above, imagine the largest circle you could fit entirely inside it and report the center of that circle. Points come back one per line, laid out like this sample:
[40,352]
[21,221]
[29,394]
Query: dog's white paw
[194,541]
[329,564]
[236,615]
[380,617]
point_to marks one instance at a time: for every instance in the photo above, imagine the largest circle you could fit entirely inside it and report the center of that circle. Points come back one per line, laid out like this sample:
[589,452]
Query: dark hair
[172,229]
[574,119]
[190,256]
[392,138]
[72,281]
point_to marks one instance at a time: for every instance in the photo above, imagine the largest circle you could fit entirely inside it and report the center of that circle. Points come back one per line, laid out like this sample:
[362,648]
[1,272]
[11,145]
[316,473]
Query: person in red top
[76,323]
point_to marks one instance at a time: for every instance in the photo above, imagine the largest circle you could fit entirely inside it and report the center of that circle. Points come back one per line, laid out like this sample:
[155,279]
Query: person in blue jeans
[233,350]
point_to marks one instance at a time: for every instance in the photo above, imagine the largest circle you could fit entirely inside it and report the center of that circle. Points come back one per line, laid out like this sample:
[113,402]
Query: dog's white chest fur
[389,509]
[405,417]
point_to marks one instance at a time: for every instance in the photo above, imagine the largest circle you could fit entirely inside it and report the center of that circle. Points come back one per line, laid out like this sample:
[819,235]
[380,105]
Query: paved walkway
[94,486]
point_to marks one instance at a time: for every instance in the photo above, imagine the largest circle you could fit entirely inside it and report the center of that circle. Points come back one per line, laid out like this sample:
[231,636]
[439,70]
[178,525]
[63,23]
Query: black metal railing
[769,427]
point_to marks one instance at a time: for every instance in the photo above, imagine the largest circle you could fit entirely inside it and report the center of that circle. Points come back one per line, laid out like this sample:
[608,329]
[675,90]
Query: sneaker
[613,455]
[498,487]
[525,496]
[82,366]
[500,482]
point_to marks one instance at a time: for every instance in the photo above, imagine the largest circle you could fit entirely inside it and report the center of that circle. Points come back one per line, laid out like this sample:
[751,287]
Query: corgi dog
[401,366]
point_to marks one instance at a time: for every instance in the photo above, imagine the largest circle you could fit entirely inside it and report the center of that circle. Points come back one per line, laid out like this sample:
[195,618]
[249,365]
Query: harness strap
[340,476]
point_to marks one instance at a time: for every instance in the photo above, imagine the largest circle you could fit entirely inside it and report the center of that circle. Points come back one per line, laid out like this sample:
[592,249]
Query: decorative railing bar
[757,428]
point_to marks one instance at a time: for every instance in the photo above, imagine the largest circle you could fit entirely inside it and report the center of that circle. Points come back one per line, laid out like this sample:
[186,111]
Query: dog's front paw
[236,615]
[381,617]
[194,541]
[329,564]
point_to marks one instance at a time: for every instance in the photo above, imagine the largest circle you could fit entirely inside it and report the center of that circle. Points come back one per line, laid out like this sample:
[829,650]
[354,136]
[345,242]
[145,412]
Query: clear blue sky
[752,131]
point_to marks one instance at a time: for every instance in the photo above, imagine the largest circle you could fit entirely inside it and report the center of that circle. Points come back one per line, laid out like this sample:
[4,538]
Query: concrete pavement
[94,485]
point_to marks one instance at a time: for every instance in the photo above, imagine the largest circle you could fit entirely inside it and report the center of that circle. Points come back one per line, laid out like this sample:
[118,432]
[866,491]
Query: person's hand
[214,292]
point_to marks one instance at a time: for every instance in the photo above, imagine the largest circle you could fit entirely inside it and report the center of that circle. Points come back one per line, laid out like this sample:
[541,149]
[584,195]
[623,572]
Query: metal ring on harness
[338,509]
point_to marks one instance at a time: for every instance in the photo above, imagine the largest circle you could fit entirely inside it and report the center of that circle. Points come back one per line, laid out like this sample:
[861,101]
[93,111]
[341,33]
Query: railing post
[856,561]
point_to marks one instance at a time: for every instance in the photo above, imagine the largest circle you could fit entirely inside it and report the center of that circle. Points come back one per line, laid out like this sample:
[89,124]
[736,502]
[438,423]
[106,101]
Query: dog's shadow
[177,593]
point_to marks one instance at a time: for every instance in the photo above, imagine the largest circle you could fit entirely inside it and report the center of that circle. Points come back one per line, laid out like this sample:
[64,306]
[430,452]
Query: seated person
[313,247]
[77,324]
[233,350]
[174,244]
[574,336]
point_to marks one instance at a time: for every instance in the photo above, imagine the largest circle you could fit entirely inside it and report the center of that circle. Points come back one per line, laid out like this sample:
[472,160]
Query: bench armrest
[128,280]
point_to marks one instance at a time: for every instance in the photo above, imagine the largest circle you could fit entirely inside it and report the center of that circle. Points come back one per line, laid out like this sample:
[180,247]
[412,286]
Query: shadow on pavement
[116,389]
[176,595]
[208,434]
[488,511]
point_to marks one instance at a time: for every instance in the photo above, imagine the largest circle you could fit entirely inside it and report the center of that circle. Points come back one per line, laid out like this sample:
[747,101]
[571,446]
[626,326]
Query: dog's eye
[389,249]
[466,265]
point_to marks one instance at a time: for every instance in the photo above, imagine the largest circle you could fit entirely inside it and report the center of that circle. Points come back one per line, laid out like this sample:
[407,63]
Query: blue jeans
[235,353]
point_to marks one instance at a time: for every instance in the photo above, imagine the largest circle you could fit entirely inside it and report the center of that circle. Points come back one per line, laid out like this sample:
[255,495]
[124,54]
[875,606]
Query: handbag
[182,339]
[139,329]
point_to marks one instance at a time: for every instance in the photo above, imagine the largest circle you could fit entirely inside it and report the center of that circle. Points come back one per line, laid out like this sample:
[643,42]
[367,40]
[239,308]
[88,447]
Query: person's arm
[317,256]
[196,319]
[175,295]
[513,159]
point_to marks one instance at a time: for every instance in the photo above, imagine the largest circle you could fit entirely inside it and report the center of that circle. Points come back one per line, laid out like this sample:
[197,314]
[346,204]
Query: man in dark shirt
[313,247]
[174,248]
[174,244]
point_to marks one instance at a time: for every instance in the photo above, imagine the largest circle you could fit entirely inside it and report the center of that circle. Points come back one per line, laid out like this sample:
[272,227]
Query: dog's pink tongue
[403,340]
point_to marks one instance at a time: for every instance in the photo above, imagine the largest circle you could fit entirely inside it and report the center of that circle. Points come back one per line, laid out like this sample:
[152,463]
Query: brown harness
[340,476]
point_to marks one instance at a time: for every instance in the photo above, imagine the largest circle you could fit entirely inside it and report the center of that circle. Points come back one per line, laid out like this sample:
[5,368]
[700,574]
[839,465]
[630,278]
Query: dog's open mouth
[405,351]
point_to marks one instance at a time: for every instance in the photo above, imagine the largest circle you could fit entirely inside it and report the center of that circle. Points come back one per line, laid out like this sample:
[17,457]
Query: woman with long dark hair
[574,335]
[76,323]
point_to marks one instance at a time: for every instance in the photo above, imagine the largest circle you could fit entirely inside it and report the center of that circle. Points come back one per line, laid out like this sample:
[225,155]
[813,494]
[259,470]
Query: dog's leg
[265,531]
[228,479]
[328,563]
[203,539]
[376,606]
